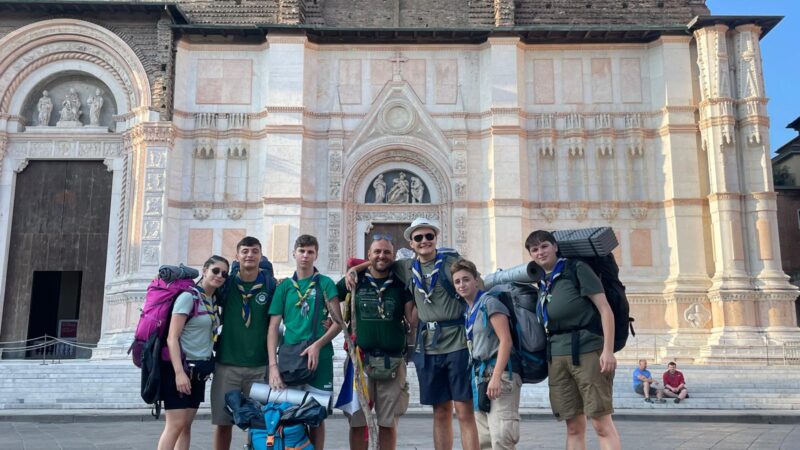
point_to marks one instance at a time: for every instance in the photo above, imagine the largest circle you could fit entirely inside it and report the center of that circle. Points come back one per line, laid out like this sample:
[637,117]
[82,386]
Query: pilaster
[507,163]
[683,163]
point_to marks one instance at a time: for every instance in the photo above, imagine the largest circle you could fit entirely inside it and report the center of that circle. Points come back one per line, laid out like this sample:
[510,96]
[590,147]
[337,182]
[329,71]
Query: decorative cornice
[151,133]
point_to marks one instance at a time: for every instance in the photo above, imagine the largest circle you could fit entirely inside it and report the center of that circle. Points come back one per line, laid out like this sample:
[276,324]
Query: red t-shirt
[673,380]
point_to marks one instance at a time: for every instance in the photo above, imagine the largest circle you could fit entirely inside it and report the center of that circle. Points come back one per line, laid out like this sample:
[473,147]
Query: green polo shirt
[376,332]
[569,308]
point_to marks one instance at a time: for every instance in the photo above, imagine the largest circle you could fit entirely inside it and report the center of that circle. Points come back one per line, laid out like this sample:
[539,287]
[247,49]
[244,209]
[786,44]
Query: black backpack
[607,270]
[151,373]
[527,332]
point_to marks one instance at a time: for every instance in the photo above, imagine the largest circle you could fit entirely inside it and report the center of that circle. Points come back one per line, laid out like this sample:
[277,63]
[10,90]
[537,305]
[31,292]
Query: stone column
[731,294]
[775,299]
[139,194]
[285,179]
[687,309]
[507,161]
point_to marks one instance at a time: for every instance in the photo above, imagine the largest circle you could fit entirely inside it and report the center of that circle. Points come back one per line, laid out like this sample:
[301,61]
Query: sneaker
[648,400]
[677,400]
[661,400]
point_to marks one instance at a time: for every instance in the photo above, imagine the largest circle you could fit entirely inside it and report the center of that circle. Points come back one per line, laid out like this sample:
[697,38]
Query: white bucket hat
[421,222]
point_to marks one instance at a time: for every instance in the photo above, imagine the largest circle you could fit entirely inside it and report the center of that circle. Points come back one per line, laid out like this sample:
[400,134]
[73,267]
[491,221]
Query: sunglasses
[220,272]
[426,236]
[382,237]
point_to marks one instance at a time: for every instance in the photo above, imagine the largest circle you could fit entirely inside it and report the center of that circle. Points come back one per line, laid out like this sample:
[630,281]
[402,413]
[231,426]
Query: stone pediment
[398,113]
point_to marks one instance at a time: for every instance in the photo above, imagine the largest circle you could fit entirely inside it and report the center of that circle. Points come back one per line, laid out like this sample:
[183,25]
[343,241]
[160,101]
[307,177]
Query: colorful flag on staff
[348,398]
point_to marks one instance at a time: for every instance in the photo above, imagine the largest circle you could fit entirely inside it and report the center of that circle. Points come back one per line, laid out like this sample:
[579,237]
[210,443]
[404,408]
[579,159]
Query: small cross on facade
[397,72]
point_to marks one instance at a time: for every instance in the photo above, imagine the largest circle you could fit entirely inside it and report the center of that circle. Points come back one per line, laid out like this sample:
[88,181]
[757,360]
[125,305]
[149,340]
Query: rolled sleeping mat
[171,273]
[524,273]
[264,393]
[586,242]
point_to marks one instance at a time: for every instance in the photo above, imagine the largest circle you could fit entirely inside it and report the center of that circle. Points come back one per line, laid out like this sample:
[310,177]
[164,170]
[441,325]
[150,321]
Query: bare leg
[176,421]
[646,389]
[387,438]
[683,394]
[357,441]
[576,433]
[222,437]
[466,423]
[607,434]
[443,426]
[185,439]
[669,393]
[317,436]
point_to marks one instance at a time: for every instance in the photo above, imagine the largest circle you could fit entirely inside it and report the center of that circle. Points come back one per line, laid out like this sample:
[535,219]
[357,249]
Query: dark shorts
[174,399]
[445,377]
[640,390]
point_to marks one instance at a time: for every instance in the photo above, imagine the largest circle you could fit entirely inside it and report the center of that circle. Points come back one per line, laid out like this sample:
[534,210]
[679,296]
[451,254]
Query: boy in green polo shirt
[295,301]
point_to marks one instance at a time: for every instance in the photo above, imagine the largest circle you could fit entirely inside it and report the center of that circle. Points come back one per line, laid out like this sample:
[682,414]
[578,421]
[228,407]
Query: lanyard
[246,296]
[302,303]
[419,282]
[379,290]
[544,292]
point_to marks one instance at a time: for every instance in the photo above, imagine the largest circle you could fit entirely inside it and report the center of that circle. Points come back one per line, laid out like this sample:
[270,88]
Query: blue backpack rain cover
[277,435]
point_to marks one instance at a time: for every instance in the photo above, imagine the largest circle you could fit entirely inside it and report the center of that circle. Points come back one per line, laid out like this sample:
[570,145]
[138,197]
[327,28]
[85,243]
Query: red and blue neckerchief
[418,279]
[544,292]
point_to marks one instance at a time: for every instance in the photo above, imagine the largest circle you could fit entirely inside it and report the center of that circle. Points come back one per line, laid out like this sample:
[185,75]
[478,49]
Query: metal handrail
[43,343]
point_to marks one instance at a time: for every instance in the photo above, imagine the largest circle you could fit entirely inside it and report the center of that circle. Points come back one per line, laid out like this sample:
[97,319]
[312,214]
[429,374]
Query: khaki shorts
[228,378]
[390,398]
[576,390]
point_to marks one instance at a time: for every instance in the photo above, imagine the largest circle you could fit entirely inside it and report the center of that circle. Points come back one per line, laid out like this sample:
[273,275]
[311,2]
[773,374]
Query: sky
[781,64]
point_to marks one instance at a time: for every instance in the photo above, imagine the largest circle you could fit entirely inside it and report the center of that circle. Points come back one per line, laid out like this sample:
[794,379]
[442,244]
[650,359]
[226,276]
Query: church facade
[138,134]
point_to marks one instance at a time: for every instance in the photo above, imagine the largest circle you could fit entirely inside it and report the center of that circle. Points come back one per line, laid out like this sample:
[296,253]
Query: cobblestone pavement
[415,433]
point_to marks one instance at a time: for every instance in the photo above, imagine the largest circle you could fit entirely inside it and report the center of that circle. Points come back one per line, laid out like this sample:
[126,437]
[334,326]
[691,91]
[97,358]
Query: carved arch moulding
[36,51]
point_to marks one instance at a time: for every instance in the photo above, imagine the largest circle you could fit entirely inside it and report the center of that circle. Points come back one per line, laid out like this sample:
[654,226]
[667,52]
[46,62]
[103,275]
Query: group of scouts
[428,309]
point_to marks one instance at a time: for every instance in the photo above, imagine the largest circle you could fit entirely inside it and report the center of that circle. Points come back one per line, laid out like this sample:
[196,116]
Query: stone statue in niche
[45,109]
[400,190]
[417,190]
[380,189]
[95,104]
[70,109]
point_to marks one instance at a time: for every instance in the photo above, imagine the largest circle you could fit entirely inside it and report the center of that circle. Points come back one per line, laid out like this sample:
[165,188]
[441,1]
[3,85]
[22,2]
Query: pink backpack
[156,313]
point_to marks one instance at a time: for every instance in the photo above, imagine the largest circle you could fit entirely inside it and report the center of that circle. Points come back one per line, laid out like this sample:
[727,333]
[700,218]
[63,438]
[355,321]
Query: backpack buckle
[431,326]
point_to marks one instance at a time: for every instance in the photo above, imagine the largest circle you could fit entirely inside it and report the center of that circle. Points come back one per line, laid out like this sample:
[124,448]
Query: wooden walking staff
[360,378]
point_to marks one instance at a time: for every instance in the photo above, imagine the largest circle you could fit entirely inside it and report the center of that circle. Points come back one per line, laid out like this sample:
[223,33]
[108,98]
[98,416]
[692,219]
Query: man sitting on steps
[674,383]
[644,384]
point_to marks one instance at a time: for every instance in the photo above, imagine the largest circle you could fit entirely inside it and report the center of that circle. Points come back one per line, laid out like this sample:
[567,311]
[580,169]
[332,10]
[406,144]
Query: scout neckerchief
[544,292]
[472,314]
[379,290]
[419,280]
[302,301]
[247,295]
[211,309]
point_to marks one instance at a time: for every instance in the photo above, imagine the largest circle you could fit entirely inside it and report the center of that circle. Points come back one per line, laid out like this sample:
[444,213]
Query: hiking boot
[648,400]
[677,400]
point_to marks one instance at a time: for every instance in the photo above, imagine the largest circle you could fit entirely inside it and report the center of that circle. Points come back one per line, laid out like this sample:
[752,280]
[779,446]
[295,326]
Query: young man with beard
[241,354]
[441,357]
[380,302]
[298,304]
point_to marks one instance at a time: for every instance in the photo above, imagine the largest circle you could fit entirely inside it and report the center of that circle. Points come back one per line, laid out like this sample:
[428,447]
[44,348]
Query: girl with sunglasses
[190,342]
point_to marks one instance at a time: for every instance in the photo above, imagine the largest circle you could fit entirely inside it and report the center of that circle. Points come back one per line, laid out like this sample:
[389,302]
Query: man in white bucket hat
[440,355]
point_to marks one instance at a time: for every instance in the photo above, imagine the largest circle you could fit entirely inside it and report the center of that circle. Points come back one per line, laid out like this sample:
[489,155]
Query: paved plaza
[415,433]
